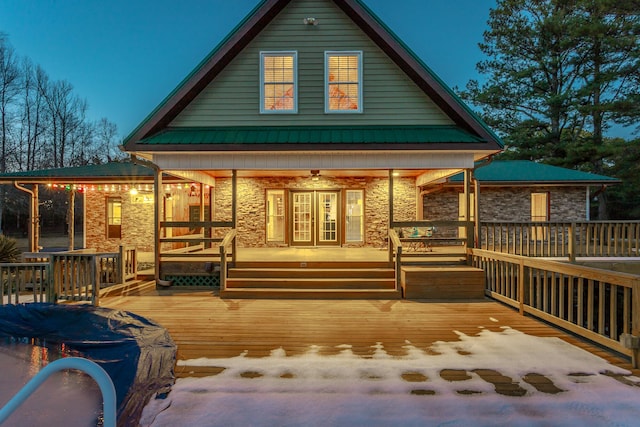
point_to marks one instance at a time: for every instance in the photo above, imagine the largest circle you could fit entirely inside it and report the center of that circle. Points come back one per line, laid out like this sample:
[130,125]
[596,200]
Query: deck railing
[17,278]
[562,239]
[227,247]
[128,263]
[600,305]
[72,276]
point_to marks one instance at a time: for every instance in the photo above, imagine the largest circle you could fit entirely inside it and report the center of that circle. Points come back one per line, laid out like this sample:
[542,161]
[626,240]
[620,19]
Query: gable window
[343,82]
[278,82]
[114,218]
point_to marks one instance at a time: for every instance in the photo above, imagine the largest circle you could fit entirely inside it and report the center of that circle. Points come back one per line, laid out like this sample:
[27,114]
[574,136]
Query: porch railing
[562,239]
[599,305]
[18,278]
[200,235]
[227,247]
[447,234]
[395,256]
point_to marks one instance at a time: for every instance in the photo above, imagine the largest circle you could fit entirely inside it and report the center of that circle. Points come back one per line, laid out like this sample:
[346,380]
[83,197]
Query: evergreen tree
[559,74]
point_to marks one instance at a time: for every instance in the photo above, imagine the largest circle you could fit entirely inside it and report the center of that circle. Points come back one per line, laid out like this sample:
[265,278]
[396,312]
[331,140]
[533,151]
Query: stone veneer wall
[251,214]
[509,203]
[137,223]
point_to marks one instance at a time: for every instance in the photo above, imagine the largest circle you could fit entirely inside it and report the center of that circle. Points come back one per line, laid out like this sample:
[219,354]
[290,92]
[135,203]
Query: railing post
[95,269]
[223,268]
[522,273]
[51,281]
[399,269]
[635,324]
[572,241]
[122,264]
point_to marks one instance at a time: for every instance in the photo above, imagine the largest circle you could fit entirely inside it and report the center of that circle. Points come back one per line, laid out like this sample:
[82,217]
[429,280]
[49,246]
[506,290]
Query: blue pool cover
[138,354]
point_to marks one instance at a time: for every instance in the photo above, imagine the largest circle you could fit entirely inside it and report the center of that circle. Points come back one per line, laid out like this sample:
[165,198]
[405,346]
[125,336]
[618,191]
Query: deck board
[203,325]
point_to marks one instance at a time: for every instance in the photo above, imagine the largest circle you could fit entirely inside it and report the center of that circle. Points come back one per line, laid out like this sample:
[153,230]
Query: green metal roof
[524,171]
[109,171]
[313,135]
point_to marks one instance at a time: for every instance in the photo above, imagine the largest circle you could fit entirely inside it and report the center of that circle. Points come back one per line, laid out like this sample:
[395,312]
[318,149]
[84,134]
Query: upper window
[343,82]
[278,82]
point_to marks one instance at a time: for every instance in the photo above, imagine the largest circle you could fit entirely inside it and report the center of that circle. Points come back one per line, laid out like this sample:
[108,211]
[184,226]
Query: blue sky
[125,56]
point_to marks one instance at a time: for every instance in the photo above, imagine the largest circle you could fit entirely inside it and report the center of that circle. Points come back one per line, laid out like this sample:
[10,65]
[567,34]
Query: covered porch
[305,218]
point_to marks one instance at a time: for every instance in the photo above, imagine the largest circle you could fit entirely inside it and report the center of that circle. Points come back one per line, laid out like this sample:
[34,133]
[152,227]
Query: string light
[109,187]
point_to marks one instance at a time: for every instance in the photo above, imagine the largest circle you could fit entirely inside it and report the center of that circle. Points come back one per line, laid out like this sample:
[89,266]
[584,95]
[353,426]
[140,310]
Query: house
[310,126]
[313,125]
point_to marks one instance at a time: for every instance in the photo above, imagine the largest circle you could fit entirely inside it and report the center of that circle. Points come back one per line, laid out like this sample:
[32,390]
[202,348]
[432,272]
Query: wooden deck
[204,325]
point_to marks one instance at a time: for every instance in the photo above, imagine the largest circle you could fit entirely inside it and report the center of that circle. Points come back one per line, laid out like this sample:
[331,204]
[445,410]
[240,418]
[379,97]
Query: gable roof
[257,20]
[528,172]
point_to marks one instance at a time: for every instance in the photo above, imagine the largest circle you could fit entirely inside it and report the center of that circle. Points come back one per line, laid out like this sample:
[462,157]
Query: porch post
[234,201]
[467,209]
[201,214]
[476,213]
[34,221]
[158,197]
[71,218]
[390,198]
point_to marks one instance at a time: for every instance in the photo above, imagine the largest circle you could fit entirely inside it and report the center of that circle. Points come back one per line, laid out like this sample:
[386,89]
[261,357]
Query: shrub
[9,251]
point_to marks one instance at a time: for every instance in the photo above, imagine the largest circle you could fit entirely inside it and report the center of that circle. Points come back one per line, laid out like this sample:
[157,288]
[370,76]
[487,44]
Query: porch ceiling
[307,172]
[287,162]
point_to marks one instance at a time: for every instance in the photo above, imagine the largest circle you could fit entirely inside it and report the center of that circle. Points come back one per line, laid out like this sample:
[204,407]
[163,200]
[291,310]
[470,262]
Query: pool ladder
[87,366]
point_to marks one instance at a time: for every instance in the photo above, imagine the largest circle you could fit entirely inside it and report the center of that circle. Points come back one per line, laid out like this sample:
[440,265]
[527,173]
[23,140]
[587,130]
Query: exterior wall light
[315,175]
[311,21]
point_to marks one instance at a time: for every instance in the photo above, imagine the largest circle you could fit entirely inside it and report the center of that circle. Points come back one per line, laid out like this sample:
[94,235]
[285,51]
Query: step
[443,282]
[313,264]
[310,283]
[263,293]
[377,273]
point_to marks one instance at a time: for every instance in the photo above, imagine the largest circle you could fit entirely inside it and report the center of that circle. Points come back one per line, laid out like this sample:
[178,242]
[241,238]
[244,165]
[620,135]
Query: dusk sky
[125,56]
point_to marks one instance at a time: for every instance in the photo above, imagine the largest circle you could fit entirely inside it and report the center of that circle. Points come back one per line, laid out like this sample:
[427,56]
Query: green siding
[390,97]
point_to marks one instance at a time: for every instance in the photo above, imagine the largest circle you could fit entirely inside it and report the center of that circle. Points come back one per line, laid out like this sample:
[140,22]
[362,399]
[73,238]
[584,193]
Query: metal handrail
[91,368]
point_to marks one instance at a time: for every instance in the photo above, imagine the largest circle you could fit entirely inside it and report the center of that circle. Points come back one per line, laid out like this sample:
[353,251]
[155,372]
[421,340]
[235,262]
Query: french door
[315,218]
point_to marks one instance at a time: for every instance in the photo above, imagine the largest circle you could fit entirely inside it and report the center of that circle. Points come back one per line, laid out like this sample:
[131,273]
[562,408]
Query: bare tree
[107,140]
[9,89]
[66,115]
[32,110]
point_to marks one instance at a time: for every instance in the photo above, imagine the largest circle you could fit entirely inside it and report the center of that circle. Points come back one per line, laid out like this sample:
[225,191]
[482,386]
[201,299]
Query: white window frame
[265,54]
[332,53]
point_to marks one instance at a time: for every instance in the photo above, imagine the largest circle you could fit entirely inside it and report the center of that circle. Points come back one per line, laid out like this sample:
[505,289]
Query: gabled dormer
[301,67]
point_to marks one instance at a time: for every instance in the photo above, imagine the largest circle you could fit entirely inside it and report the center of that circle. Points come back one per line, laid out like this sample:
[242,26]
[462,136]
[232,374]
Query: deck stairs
[311,280]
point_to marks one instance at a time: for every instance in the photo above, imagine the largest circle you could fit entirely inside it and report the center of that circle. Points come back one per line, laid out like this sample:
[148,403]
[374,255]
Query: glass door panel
[328,217]
[275,215]
[354,229]
[302,218]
